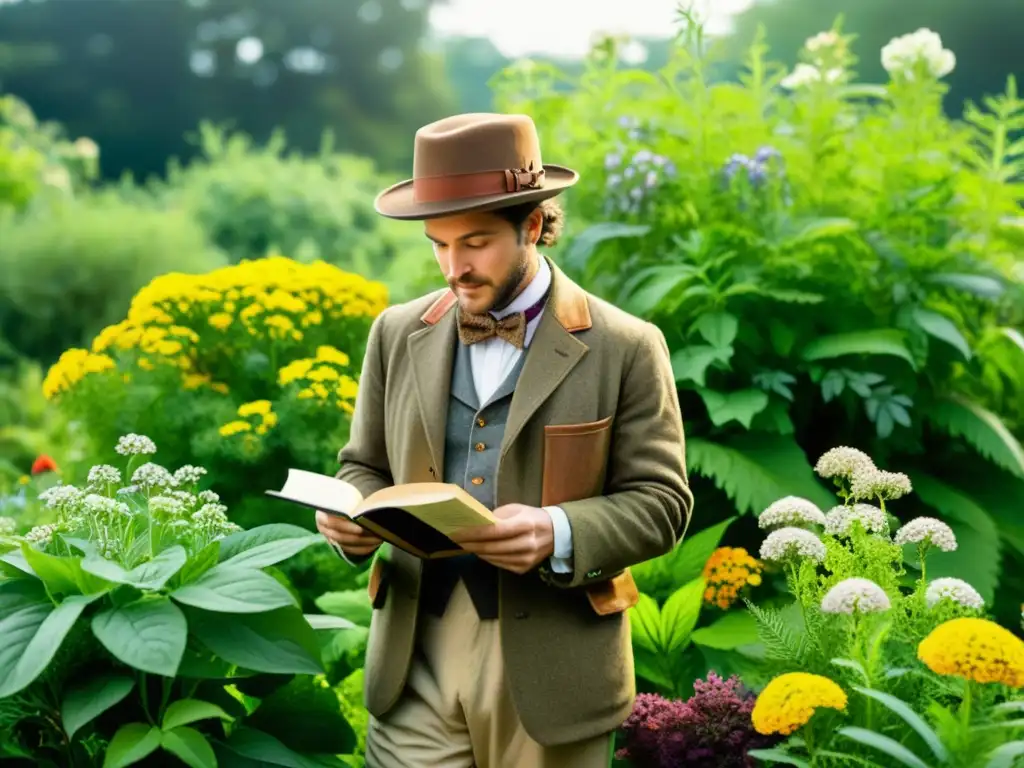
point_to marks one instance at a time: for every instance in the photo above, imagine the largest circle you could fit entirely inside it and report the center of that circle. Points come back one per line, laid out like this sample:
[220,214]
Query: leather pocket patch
[614,595]
[377,588]
[575,460]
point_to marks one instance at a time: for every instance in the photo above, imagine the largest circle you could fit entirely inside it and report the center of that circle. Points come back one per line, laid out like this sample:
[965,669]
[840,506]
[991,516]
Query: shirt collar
[531,294]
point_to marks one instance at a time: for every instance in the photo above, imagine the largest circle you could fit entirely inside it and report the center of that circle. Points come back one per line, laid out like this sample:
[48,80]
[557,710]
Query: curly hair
[554,218]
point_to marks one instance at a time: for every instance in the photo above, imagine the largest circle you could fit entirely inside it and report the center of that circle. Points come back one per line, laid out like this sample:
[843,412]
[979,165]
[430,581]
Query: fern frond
[779,642]
[982,429]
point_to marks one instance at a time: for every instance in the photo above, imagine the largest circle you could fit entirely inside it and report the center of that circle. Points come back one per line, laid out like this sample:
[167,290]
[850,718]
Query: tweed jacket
[594,427]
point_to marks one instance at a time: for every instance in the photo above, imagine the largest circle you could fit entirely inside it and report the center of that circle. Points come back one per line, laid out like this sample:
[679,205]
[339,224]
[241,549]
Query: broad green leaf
[775,418]
[718,329]
[942,328]
[686,562]
[185,711]
[272,552]
[651,666]
[645,623]
[305,717]
[240,541]
[692,363]
[911,718]
[984,430]
[1015,336]
[979,285]
[15,559]
[132,742]
[32,631]
[279,641]
[353,604]
[891,747]
[733,630]
[320,622]
[778,756]
[757,469]
[148,634]
[581,248]
[198,564]
[83,702]
[881,341]
[1005,755]
[812,230]
[856,666]
[58,573]
[976,559]
[660,282]
[230,589]
[679,616]
[741,406]
[260,746]
[150,575]
[189,746]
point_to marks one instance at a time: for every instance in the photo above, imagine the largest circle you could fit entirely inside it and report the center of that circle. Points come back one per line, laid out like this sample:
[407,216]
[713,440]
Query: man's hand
[522,538]
[353,539]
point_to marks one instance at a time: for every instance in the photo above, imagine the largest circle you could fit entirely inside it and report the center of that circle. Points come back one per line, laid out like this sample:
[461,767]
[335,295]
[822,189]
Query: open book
[416,517]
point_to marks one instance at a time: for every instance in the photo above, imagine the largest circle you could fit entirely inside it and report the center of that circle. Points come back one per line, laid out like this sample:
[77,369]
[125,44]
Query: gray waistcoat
[472,445]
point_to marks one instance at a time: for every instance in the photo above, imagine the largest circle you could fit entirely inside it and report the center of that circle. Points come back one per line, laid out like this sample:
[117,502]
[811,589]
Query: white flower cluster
[103,505]
[8,525]
[804,74]
[166,505]
[152,475]
[843,462]
[927,531]
[879,484]
[61,497]
[188,475]
[855,595]
[823,41]
[41,534]
[104,474]
[872,520]
[135,445]
[902,55]
[957,590]
[792,543]
[791,511]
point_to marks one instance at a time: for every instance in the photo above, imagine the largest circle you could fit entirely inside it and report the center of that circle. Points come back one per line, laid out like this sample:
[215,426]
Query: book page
[321,491]
[450,515]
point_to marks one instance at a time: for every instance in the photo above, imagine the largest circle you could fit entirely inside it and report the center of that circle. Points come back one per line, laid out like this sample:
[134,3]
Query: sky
[566,27]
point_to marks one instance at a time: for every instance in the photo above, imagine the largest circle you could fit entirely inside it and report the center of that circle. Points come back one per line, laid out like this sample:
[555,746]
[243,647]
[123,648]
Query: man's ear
[534,226]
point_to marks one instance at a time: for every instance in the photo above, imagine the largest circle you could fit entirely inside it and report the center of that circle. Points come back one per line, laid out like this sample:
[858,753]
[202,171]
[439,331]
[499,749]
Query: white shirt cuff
[561,559]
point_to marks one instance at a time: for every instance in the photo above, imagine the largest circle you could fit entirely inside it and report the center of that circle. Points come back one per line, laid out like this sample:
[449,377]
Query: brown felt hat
[474,162]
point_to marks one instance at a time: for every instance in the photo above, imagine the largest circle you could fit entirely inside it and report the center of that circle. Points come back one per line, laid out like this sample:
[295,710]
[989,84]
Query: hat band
[435,189]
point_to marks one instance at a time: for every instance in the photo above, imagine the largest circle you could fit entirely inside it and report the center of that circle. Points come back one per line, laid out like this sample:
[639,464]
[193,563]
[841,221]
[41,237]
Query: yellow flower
[270,420]
[235,427]
[329,354]
[220,320]
[727,572]
[322,373]
[347,388]
[194,380]
[974,649]
[220,386]
[73,366]
[255,408]
[294,371]
[306,394]
[789,701]
[168,348]
[312,318]
[24,480]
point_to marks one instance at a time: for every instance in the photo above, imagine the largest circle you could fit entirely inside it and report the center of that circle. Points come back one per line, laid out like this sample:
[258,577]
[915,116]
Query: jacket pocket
[614,595]
[377,589]
[575,460]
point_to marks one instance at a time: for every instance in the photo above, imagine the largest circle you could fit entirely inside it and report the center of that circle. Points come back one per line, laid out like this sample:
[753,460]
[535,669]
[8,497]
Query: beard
[509,288]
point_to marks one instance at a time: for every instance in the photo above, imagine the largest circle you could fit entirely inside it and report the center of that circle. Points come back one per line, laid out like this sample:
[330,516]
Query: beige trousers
[457,711]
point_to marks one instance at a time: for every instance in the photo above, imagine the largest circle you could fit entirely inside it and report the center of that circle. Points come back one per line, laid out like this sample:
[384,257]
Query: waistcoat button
[480,446]
[477,481]
[481,423]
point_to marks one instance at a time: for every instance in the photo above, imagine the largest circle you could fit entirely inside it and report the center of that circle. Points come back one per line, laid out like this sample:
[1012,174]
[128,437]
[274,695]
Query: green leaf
[132,742]
[732,630]
[1005,755]
[320,622]
[264,748]
[83,702]
[778,756]
[691,363]
[32,631]
[942,328]
[856,666]
[272,552]
[229,589]
[812,230]
[788,296]
[718,329]
[642,297]
[305,717]
[15,564]
[976,559]
[58,573]
[238,542]
[884,744]
[982,429]
[756,469]
[581,248]
[199,563]
[185,711]
[686,562]
[645,623]
[353,604]
[741,406]
[978,285]
[189,746]
[911,718]
[279,641]
[679,616]
[150,575]
[148,634]
[881,341]
[775,418]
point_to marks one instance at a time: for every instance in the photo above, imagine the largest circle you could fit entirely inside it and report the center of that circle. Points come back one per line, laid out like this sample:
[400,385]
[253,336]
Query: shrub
[140,619]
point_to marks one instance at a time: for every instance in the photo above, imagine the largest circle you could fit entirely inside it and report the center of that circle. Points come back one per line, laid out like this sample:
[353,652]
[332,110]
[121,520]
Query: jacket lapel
[432,352]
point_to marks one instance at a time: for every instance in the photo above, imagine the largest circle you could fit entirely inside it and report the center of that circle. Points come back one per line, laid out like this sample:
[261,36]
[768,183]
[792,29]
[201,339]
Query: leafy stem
[145,698]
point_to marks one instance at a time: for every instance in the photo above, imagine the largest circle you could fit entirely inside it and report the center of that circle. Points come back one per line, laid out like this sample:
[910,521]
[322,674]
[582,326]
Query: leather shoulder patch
[438,309]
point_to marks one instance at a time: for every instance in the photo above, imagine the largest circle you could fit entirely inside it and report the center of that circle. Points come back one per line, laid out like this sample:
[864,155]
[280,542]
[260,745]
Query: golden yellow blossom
[234,427]
[323,373]
[789,701]
[24,480]
[974,649]
[73,366]
[255,408]
[727,573]
[329,354]
[220,320]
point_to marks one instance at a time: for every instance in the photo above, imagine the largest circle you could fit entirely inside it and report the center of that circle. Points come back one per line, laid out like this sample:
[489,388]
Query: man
[553,408]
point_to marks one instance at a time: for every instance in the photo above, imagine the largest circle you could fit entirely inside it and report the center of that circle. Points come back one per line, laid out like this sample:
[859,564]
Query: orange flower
[727,573]
[43,463]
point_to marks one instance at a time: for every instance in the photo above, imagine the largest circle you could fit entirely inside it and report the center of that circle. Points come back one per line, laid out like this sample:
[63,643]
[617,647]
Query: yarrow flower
[166,505]
[41,534]
[791,511]
[879,484]
[61,497]
[8,525]
[104,474]
[855,595]
[152,475]
[105,506]
[792,543]
[727,573]
[839,519]
[927,532]
[843,462]
[188,475]
[921,49]
[974,649]
[957,590]
[789,701]
[135,445]
[804,74]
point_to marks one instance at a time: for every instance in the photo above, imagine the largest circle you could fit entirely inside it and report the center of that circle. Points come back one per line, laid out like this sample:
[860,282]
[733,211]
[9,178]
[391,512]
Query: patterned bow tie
[511,328]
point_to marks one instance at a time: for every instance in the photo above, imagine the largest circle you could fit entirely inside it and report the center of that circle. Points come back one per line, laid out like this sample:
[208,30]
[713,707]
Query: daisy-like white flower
[957,590]
[791,511]
[855,595]
[927,531]
[135,445]
[104,474]
[152,475]
[842,462]
[804,74]
[872,519]
[879,484]
[792,543]
[902,54]
[189,475]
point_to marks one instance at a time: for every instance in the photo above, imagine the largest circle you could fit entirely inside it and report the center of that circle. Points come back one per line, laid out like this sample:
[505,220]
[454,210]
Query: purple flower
[612,160]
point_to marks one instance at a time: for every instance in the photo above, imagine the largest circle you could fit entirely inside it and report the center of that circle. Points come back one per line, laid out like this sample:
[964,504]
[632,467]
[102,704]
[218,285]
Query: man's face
[483,258]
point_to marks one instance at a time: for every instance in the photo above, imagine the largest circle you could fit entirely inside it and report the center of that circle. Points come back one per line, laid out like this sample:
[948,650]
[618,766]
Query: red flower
[42,464]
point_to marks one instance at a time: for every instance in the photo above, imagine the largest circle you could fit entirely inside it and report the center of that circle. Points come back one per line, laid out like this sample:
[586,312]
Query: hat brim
[397,201]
